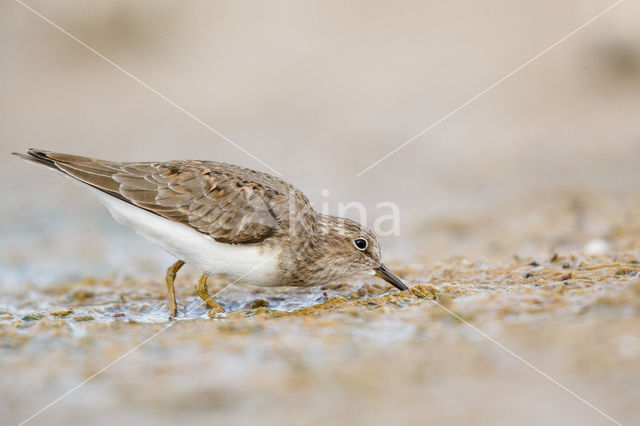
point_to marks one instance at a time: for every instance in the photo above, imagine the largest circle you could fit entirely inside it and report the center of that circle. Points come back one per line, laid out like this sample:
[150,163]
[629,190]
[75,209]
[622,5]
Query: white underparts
[252,264]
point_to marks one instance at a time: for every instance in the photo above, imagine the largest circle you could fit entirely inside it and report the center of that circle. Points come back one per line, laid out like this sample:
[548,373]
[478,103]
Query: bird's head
[353,249]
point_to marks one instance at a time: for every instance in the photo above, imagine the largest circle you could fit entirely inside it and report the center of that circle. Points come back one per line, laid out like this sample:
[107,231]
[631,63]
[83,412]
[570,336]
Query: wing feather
[229,203]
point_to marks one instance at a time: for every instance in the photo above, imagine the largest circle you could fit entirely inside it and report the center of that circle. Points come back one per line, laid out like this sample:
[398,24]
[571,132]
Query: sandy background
[546,162]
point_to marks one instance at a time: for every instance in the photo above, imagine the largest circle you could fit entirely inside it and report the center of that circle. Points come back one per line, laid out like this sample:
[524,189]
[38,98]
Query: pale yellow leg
[170,278]
[201,288]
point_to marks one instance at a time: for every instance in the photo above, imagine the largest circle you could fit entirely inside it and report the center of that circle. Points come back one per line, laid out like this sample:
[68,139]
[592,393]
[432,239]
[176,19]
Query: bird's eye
[360,243]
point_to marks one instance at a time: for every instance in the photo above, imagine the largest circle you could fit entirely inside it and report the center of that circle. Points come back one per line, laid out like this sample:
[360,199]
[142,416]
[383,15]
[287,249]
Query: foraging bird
[226,220]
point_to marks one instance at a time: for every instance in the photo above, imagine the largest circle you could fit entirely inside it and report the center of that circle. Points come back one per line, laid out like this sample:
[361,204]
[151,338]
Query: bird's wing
[231,204]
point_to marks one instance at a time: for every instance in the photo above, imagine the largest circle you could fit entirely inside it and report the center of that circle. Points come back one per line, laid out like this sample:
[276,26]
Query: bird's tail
[38,156]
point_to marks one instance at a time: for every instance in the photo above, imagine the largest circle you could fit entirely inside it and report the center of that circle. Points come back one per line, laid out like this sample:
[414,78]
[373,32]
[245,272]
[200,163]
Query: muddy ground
[496,337]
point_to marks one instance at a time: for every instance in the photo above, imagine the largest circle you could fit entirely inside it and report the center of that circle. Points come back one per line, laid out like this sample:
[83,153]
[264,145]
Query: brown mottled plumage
[231,204]
[263,216]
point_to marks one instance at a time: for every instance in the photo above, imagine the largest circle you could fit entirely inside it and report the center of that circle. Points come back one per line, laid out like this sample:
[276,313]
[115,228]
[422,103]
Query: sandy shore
[492,341]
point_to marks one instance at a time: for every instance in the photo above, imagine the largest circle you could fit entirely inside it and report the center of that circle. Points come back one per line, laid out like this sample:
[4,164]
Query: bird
[226,220]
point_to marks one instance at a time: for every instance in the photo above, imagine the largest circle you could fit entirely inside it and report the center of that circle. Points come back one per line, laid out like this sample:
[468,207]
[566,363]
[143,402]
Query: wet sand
[356,351]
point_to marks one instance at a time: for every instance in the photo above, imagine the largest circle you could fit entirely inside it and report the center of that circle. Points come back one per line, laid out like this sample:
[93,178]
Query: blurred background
[320,91]
[547,161]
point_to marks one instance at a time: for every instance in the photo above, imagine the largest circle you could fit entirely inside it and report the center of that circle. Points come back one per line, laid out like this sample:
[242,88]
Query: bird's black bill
[384,273]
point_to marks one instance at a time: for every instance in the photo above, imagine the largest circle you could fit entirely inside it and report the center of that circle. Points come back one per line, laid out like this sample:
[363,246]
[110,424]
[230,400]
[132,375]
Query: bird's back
[231,204]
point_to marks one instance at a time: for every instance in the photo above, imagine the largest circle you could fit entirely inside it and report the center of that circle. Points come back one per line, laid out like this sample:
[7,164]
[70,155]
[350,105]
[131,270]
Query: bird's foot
[203,292]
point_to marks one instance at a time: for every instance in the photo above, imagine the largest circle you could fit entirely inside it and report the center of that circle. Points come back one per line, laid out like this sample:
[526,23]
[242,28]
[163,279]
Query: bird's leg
[170,278]
[201,288]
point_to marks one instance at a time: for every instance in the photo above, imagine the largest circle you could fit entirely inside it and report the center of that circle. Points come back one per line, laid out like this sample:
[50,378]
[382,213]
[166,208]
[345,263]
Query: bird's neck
[312,259]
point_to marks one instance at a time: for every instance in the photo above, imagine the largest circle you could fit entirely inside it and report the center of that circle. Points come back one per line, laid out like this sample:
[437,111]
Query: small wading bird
[226,220]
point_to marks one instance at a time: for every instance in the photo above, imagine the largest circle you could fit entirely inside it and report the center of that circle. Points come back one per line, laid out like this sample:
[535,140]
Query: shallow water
[135,301]
[73,304]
